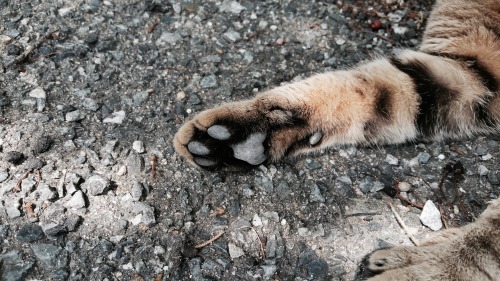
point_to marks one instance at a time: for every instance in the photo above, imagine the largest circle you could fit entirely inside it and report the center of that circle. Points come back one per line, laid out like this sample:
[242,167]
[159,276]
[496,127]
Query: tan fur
[468,253]
[447,89]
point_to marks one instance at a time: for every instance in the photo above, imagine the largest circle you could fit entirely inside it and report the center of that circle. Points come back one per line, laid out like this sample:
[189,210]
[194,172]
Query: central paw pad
[251,150]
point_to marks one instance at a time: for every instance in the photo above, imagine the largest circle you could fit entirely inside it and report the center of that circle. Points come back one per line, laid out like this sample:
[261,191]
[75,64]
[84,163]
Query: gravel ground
[92,92]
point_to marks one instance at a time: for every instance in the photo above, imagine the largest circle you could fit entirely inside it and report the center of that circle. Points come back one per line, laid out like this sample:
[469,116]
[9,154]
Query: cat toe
[219,132]
[198,148]
[205,162]
[315,138]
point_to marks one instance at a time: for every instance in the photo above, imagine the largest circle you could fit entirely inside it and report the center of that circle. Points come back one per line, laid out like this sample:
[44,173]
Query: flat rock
[430,216]
[97,184]
[30,233]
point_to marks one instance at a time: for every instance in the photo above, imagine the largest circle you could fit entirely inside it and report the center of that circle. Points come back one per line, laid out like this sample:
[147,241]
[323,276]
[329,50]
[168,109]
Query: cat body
[449,88]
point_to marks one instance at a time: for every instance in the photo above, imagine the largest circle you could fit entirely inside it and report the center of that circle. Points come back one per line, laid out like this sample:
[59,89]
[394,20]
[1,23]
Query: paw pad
[219,132]
[315,138]
[251,150]
[198,148]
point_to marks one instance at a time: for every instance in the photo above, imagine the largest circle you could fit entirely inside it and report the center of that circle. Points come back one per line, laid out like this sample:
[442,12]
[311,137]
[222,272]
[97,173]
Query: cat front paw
[245,134]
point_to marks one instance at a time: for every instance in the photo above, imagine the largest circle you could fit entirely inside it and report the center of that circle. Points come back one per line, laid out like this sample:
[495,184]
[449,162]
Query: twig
[217,236]
[29,209]
[443,219]
[152,27]
[31,48]
[457,150]
[153,165]
[403,225]
[379,36]
[262,252]
[38,177]
[60,185]
[409,202]
[17,188]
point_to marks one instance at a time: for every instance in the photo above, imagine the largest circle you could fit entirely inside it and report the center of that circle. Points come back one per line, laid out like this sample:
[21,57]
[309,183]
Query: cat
[449,88]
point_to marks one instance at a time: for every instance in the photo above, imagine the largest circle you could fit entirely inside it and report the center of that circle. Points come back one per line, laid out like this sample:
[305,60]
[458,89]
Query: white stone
[235,251]
[117,118]
[430,216]
[482,170]
[404,186]
[256,221]
[391,160]
[138,146]
[38,93]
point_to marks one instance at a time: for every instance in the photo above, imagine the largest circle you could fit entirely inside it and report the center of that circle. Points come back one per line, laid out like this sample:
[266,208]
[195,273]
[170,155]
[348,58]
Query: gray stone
[315,195]
[209,81]
[391,160]
[13,212]
[376,186]
[231,6]
[430,216]
[271,246]
[311,267]
[345,180]
[3,231]
[76,115]
[366,184]
[168,38]
[52,228]
[138,146]
[235,251]
[34,163]
[264,184]
[90,104]
[269,271]
[47,253]
[59,275]
[135,164]
[30,233]
[232,35]
[37,93]
[117,117]
[46,192]
[13,267]
[493,177]
[3,175]
[144,214]
[482,170]
[109,147]
[140,98]
[77,200]
[96,184]
[136,191]
[481,150]
[71,222]
[312,164]
[404,186]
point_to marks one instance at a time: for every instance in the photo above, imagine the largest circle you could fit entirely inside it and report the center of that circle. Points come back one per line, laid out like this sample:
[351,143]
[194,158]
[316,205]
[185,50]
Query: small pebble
[138,146]
[430,216]
[404,186]
[391,160]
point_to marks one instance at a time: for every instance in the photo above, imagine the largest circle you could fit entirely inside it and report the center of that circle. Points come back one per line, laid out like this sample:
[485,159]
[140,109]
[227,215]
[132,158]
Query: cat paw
[245,134]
